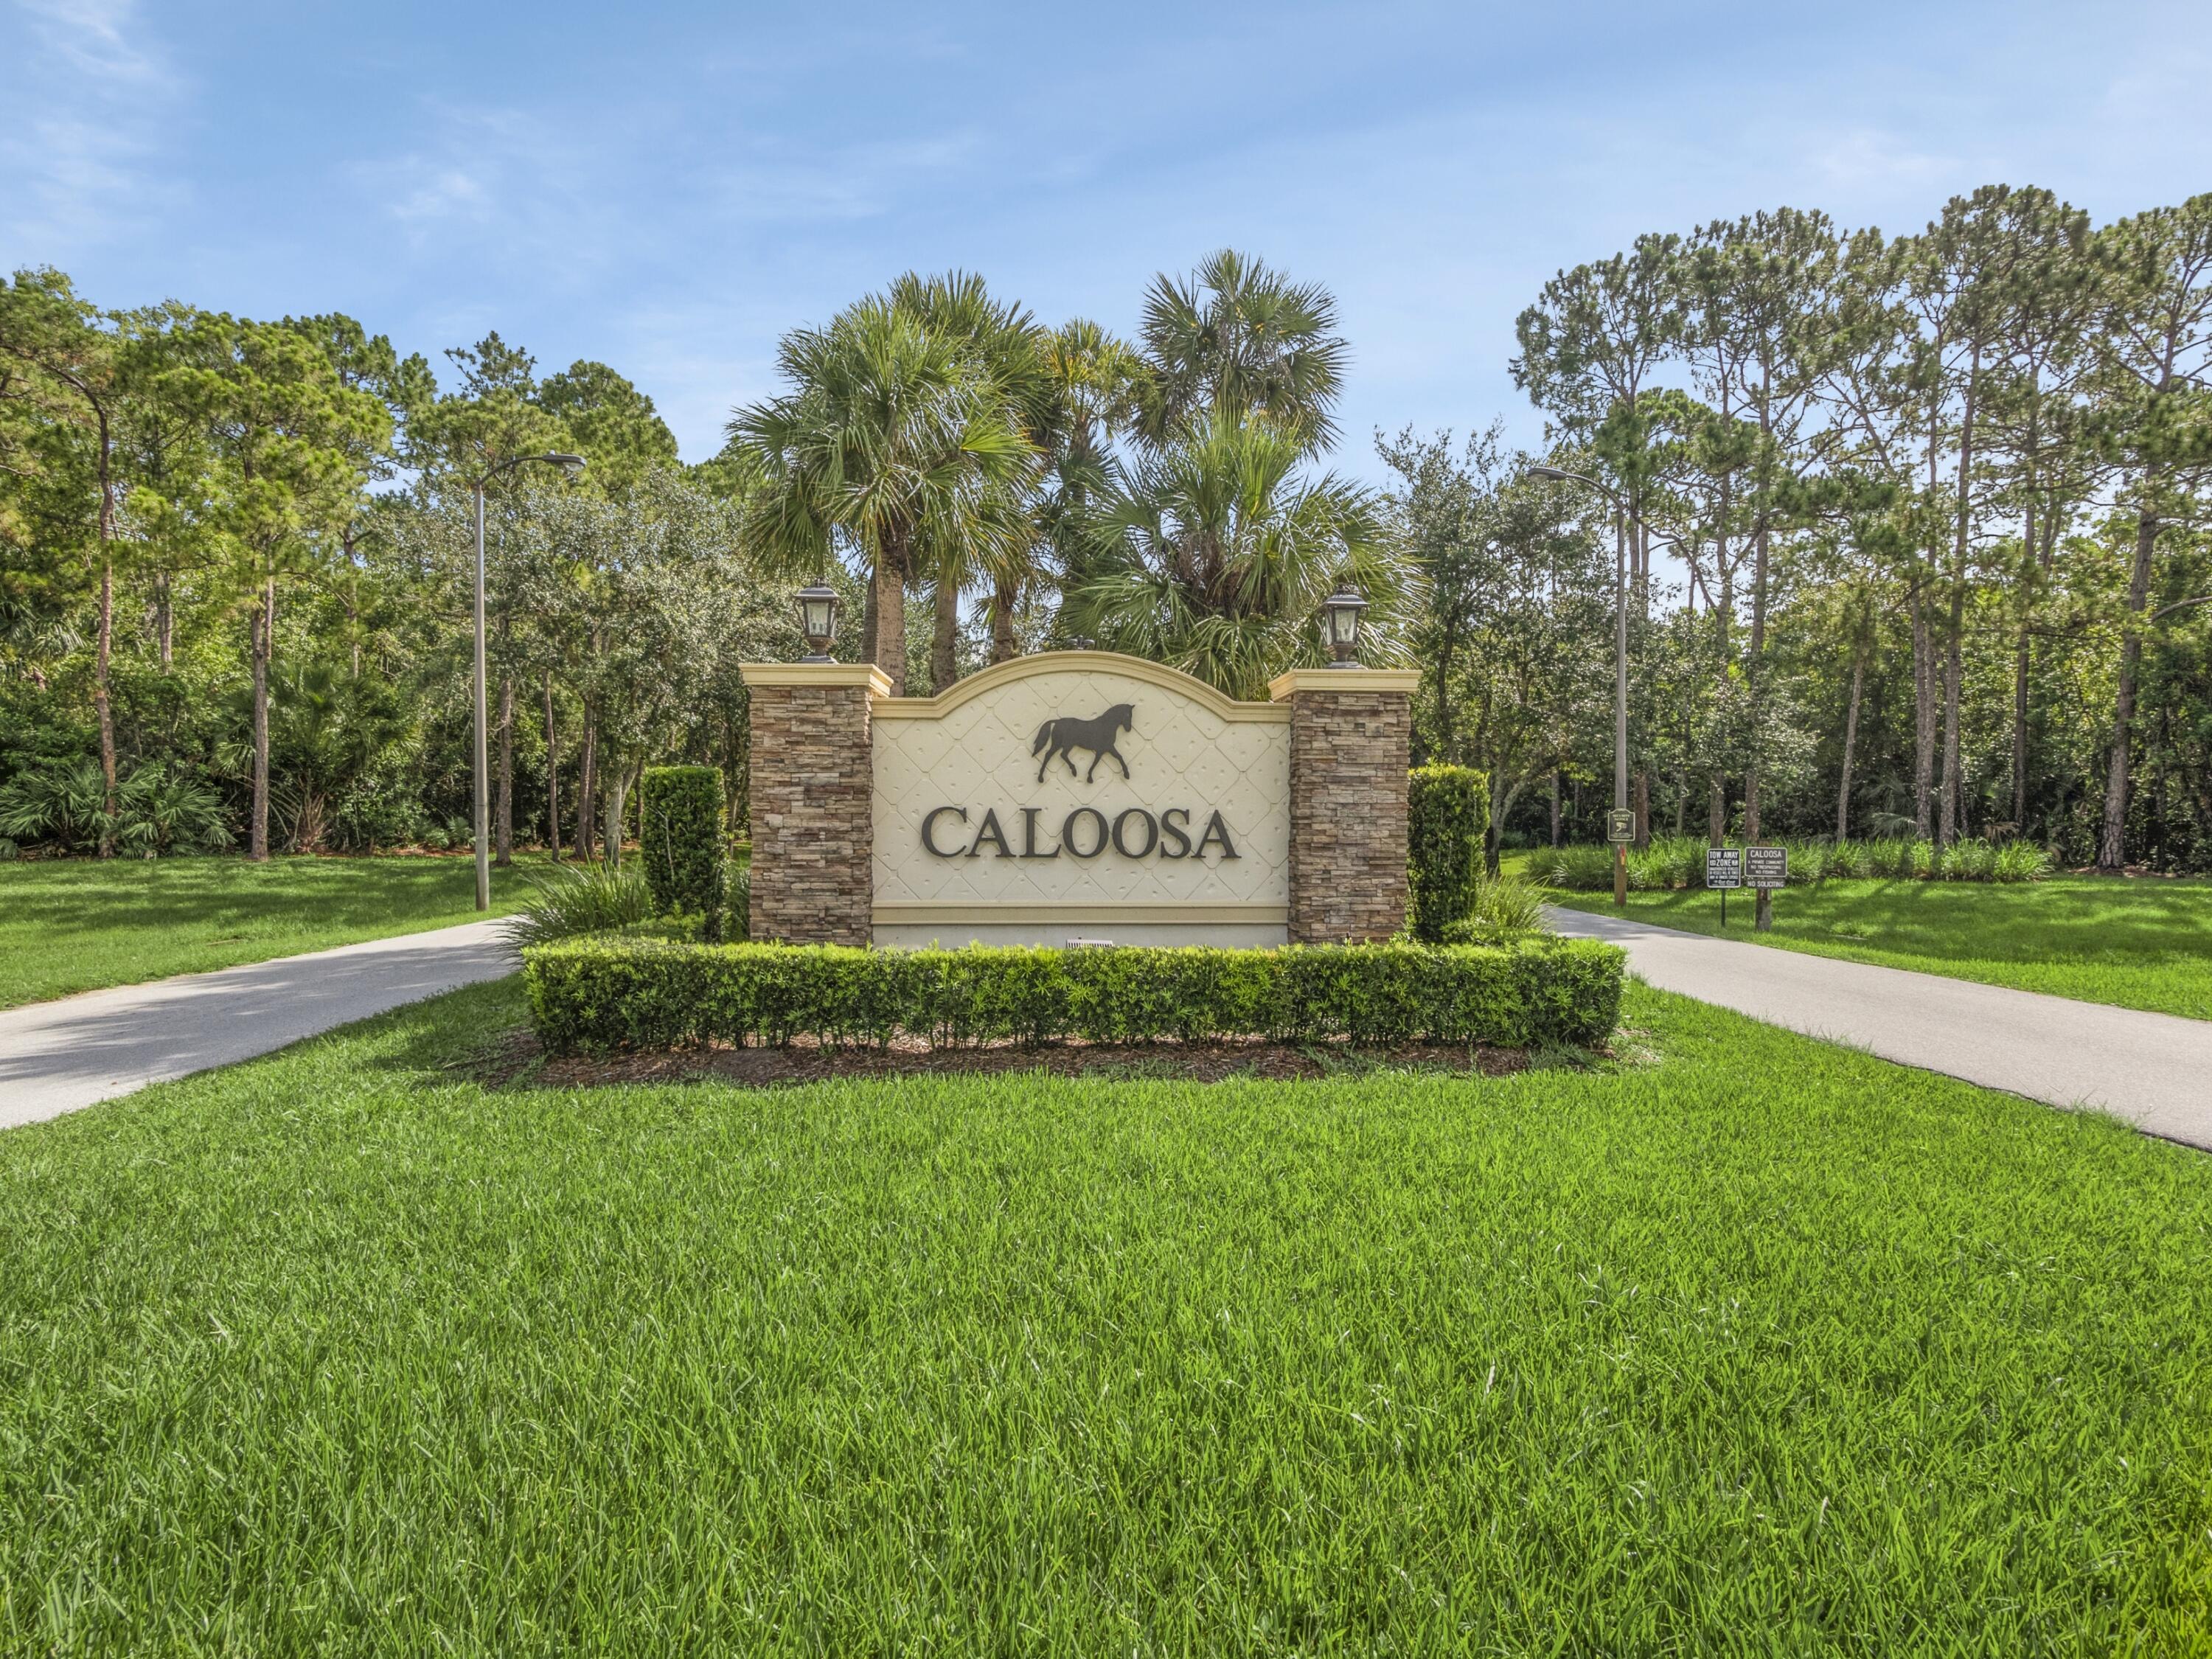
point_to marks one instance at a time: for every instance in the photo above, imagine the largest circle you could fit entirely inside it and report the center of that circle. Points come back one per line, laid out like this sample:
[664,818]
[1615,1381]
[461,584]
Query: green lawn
[1751,1344]
[2140,944]
[76,925]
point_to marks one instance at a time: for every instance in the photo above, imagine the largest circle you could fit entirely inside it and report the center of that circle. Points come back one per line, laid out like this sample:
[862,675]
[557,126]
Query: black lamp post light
[1341,625]
[818,620]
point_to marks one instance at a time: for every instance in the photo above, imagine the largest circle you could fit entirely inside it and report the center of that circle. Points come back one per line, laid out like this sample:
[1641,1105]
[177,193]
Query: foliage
[569,900]
[1448,810]
[596,996]
[157,809]
[737,921]
[1505,909]
[680,814]
[1678,861]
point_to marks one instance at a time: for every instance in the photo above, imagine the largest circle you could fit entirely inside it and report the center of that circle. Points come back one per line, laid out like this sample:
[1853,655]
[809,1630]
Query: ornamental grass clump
[572,900]
[1506,909]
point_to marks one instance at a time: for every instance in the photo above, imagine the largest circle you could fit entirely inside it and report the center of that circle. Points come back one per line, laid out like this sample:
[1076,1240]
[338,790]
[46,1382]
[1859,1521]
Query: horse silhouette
[1058,740]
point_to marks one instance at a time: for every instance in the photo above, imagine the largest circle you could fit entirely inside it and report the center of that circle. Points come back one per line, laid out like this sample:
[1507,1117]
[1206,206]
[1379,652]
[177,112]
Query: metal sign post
[1620,830]
[1724,870]
[1766,868]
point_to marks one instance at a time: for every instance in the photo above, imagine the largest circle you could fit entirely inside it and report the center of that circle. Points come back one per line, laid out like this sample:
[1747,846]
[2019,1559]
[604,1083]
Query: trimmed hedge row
[597,995]
[1447,816]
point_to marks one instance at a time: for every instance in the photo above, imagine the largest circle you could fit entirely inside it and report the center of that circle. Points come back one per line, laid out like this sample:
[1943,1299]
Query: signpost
[1766,868]
[1724,870]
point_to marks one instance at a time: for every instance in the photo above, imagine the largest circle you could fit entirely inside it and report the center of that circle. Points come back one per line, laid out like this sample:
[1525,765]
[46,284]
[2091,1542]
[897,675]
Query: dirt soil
[516,1060]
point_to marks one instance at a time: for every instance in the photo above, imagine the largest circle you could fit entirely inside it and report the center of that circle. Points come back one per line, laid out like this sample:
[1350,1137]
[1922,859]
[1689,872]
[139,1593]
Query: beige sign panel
[1081,794]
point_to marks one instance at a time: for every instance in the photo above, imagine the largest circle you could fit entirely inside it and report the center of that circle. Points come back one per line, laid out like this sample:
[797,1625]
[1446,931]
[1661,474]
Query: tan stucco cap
[818,673]
[1405,680]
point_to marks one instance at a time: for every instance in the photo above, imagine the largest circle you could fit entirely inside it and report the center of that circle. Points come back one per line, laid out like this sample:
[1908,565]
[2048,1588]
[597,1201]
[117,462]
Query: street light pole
[572,465]
[1620,664]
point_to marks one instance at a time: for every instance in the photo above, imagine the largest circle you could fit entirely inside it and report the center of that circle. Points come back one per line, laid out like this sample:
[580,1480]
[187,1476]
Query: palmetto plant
[1214,556]
[156,809]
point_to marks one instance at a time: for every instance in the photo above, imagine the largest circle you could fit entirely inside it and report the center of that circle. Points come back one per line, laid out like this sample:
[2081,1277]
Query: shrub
[1504,909]
[156,811]
[572,899]
[1578,869]
[1971,860]
[1447,810]
[2020,860]
[680,830]
[599,994]
[737,898]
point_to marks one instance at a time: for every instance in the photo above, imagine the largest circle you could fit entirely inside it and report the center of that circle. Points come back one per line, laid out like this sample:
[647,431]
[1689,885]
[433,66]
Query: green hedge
[680,828]
[596,996]
[1447,810]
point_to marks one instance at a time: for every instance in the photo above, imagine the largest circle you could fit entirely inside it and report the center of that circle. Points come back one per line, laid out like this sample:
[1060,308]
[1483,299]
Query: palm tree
[890,439]
[1239,339]
[1007,354]
[1214,558]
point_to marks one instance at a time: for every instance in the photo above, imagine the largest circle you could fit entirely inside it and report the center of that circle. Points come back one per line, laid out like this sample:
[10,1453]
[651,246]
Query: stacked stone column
[812,807]
[1351,738]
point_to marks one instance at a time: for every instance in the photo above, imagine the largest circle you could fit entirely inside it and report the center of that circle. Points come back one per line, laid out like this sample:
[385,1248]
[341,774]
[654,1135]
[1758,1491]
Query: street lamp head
[1553,472]
[571,465]
[1341,624]
[818,620]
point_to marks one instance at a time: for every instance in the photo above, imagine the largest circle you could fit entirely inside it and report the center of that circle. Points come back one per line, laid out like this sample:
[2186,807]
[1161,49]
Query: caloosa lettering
[1084,834]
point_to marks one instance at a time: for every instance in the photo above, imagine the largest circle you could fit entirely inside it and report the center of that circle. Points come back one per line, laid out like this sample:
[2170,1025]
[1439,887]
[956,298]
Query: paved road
[58,1056]
[2155,1070]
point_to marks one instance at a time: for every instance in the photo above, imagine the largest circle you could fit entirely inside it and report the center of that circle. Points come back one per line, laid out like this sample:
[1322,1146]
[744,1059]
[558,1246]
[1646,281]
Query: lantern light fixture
[1341,613]
[818,620]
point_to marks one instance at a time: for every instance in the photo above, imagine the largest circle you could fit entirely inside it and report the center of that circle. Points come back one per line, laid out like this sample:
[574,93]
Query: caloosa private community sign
[1077,794]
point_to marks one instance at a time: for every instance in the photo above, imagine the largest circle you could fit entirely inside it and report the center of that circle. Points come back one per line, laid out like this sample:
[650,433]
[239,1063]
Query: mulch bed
[518,1060]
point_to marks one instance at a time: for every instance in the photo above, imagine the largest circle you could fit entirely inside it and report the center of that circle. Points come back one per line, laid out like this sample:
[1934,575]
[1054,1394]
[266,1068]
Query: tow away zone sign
[1724,868]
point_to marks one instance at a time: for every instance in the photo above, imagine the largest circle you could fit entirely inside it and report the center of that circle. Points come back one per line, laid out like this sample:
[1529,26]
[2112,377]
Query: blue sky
[668,188]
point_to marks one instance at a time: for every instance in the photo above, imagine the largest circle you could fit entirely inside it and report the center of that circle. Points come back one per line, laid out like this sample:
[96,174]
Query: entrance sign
[1724,868]
[1076,795]
[1619,824]
[1766,867]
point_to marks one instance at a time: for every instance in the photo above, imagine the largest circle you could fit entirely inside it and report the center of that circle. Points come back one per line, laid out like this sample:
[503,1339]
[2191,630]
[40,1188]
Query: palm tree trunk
[888,588]
[945,636]
[1005,594]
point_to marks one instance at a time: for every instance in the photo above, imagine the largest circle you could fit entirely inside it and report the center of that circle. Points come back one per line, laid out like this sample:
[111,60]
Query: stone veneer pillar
[813,867]
[1351,743]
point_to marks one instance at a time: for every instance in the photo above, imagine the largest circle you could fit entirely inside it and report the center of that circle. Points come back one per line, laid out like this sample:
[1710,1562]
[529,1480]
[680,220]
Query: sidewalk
[2155,1070]
[58,1056]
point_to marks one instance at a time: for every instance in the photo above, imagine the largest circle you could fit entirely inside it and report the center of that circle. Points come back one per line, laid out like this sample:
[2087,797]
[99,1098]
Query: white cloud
[89,90]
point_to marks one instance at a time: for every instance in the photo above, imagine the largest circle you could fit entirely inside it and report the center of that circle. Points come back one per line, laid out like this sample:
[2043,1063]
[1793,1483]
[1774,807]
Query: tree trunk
[1005,594]
[264,628]
[1851,743]
[164,622]
[2020,733]
[552,776]
[944,637]
[503,843]
[888,587]
[2111,849]
[618,799]
[1923,720]
[586,776]
[100,701]
[1716,814]
[1555,806]
[1954,799]
[1643,799]
[1753,656]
